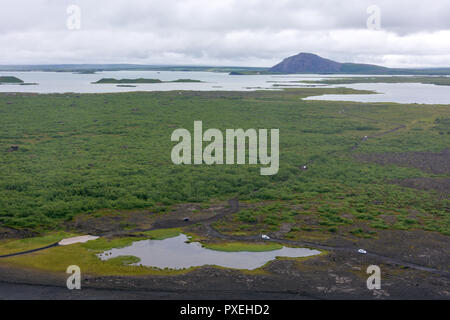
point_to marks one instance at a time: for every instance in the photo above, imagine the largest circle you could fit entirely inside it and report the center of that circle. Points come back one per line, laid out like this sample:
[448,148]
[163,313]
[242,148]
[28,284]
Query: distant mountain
[300,63]
[312,63]
[306,63]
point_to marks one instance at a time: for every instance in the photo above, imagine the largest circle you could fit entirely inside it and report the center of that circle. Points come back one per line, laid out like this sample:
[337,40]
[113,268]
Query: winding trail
[234,205]
[213,233]
[29,251]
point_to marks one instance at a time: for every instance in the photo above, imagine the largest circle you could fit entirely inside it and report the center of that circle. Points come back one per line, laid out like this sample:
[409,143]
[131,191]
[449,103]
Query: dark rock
[13,148]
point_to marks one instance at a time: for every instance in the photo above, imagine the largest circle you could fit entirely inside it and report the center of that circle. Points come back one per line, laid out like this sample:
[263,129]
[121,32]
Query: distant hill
[93,68]
[300,63]
[306,63]
[312,63]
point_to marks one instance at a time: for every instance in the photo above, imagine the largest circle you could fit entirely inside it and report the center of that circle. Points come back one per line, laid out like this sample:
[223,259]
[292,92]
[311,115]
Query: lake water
[393,92]
[61,82]
[176,253]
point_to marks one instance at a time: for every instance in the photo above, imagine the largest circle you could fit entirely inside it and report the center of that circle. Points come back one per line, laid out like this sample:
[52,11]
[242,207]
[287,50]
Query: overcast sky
[414,33]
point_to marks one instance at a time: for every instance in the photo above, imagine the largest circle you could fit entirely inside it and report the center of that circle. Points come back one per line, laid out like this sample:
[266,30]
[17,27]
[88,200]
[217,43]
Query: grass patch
[124,260]
[242,246]
[162,234]
[57,259]
[19,245]
[80,153]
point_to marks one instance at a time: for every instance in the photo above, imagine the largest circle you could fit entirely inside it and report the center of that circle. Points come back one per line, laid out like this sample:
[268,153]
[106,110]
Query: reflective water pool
[176,253]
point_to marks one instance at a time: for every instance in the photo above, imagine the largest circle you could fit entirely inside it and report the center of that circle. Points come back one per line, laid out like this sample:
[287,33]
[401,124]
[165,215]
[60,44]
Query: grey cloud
[225,32]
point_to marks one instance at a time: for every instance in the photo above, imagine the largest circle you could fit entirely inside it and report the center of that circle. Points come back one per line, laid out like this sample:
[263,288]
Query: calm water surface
[393,92]
[61,82]
[176,253]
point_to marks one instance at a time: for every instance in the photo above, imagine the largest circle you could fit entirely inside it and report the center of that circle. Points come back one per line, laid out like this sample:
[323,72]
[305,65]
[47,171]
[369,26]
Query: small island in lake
[10,79]
[84,72]
[140,80]
[14,80]
[185,80]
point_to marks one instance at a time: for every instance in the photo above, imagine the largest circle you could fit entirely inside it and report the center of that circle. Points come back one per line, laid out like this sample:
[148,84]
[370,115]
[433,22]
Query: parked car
[265,237]
[362,251]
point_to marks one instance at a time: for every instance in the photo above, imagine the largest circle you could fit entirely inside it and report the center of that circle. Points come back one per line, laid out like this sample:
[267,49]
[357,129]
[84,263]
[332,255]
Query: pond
[178,253]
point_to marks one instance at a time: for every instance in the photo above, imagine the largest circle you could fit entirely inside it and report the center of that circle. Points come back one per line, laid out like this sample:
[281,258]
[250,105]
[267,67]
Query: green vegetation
[442,81]
[185,80]
[124,260]
[85,72]
[140,80]
[80,153]
[161,234]
[58,258]
[19,245]
[8,79]
[243,246]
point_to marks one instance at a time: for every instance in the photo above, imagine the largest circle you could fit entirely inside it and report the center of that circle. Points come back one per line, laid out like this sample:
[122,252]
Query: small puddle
[175,253]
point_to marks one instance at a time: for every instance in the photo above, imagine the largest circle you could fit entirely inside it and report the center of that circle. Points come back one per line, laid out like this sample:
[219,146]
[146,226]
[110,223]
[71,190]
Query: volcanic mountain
[312,63]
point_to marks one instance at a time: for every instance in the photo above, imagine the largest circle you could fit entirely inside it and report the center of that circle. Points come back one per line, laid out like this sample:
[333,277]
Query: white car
[265,237]
[362,251]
